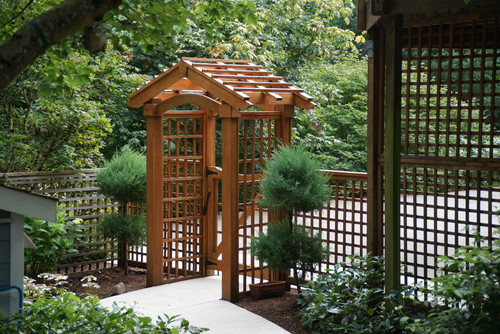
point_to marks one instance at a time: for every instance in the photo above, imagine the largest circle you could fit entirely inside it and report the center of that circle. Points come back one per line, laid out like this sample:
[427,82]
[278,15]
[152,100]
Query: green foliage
[124,177]
[471,292]
[283,247]
[130,227]
[59,114]
[335,131]
[350,299]
[67,313]
[292,182]
[52,241]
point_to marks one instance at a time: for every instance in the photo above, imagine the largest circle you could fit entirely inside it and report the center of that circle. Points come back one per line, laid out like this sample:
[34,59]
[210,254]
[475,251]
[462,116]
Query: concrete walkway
[199,302]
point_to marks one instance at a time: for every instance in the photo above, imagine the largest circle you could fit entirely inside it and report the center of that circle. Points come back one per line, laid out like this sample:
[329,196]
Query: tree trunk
[123,262]
[31,40]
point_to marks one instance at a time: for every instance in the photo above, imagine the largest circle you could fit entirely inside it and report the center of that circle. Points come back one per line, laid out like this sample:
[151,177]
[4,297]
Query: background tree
[335,131]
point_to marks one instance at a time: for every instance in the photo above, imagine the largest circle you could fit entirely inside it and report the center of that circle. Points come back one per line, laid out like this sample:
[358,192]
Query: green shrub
[283,248]
[67,313]
[292,182]
[350,299]
[471,292]
[130,227]
[52,241]
[124,177]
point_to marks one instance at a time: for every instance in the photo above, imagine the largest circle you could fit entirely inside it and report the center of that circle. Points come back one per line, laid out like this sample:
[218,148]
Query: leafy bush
[292,182]
[67,313]
[350,299]
[283,248]
[471,292]
[52,241]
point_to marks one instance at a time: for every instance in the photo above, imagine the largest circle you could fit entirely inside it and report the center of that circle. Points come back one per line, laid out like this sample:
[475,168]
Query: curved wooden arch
[194,99]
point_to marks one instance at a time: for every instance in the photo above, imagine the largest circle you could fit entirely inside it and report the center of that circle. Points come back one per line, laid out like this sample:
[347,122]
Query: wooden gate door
[184,191]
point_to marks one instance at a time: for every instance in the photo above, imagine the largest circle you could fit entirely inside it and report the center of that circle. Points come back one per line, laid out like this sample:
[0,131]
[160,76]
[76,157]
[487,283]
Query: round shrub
[124,177]
[292,182]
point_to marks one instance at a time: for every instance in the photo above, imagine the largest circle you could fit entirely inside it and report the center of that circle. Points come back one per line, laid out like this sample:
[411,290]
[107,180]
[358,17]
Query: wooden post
[392,154]
[154,195]
[285,124]
[210,226]
[230,127]
[375,95]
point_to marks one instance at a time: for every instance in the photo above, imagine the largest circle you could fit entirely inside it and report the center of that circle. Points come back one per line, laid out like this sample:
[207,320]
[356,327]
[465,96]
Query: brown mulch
[282,311]
[107,279]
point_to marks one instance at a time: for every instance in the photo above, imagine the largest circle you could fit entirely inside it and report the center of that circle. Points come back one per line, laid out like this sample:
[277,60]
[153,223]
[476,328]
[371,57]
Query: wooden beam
[156,86]
[194,99]
[361,15]
[285,124]
[379,7]
[375,95]
[392,166]
[230,129]
[411,7]
[185,84]
[218,60]
[154,195]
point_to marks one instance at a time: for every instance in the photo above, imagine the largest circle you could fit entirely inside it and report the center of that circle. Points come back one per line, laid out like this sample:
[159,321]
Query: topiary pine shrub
[283,248]
[291,183]
[124,178]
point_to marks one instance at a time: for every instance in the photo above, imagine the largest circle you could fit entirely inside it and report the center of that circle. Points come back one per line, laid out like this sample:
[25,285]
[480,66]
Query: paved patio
[198,301]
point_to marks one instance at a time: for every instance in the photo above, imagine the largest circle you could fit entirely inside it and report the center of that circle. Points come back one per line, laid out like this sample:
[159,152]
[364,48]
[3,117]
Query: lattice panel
[450,141]
[78,197]
[183,170]
[343,222]
[444,209]
[257,143]
[451,96]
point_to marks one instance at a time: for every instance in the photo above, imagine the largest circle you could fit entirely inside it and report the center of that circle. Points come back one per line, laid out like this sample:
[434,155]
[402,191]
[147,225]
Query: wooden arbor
[183,176]
[434,129]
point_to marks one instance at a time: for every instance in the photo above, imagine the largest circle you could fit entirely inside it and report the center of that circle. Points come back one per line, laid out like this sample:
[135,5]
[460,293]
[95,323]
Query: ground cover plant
[50,309]
[350,299]
[464,299]
[53,242]
[470,290]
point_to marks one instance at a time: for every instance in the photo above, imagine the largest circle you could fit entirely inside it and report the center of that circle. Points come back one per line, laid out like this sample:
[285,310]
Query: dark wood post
[375,129]
[392,152]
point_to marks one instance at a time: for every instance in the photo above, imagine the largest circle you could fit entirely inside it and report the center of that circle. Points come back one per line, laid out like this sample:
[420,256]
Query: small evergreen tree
[124,178]
[291,184]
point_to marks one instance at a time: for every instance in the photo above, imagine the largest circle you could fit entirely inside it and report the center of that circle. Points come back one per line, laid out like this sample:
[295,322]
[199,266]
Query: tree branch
[31,40]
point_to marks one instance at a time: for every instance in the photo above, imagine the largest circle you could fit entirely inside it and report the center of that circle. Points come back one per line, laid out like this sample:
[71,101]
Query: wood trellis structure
[183,176]
[434,129]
